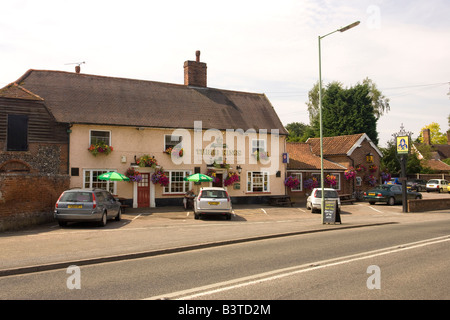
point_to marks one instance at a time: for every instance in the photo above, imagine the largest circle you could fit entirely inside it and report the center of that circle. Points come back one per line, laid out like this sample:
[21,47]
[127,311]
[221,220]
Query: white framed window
[258,181]
[299,176]
[177,183]
[258,145]
[100,136]
[171,140]
[90,180]
[338,179]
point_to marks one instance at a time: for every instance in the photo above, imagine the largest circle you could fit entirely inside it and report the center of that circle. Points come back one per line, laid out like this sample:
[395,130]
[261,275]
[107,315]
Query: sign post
[402,142]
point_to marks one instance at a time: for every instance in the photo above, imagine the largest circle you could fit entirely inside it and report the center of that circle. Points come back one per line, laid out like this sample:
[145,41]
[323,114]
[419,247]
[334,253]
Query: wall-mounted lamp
[369,158]
[239,169]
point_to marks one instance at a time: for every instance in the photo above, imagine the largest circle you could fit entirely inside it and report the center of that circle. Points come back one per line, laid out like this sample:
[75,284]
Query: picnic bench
[346,198]
[280,200]
[123,206]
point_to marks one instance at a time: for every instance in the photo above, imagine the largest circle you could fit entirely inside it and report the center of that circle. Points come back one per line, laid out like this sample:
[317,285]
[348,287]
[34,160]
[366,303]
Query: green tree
[391,161]
[347,110]
[436,136]
[299,132]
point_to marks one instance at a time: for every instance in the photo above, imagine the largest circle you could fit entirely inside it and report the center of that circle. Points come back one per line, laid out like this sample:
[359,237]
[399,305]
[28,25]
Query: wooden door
[144,191]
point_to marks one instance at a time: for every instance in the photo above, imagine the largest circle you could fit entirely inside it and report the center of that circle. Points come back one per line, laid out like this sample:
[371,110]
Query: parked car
[389,193]
[314,201]
[394,181]
[83,205]
[439,185]
[212,200]
[417,185]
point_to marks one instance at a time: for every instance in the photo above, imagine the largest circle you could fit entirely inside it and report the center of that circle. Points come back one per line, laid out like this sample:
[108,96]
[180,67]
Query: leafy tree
[346,111]
[391,161]
[299,132]
[436,136]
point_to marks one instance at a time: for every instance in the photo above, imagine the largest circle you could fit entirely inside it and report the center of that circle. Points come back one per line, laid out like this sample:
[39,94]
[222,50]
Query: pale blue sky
[258,46]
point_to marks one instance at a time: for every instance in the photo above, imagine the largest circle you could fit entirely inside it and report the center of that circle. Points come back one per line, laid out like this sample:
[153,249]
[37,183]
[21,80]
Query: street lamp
[354,24]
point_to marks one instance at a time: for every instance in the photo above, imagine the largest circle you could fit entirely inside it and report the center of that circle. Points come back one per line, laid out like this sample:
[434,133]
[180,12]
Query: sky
[259,46]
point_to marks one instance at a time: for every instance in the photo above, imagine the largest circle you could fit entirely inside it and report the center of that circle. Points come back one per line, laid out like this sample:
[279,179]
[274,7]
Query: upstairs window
[171,141]
[97,136]
[17,133]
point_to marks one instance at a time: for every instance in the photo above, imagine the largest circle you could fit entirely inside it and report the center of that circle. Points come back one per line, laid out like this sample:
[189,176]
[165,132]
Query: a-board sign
[331,213]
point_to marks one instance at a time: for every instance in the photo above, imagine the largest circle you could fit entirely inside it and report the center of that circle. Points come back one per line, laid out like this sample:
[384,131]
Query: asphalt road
[412,262]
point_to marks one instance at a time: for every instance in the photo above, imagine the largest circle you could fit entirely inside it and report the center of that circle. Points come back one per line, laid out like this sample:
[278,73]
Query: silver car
[314,201]
[212,200]
[83,205]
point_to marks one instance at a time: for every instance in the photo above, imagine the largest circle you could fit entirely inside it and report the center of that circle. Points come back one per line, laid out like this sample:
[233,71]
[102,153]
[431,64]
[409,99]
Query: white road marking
[285,272]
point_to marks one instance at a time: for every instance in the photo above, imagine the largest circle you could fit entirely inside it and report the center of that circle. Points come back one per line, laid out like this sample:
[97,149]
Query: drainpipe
[69,131]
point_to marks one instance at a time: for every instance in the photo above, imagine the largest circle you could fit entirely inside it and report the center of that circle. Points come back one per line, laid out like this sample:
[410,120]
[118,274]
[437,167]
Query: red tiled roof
[339,145]
[302,158]
[436,165]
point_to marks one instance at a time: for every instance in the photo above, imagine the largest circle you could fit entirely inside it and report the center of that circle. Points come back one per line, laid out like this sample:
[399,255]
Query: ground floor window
[91,180]
[257,181]
[299,176]
[176,182]
[337,179]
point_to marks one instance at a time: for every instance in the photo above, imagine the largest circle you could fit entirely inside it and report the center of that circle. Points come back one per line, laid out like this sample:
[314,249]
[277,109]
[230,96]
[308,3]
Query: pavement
[168,230]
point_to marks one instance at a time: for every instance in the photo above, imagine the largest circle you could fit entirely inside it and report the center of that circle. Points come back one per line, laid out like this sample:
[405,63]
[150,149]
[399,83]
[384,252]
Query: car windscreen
[217,194]
[433,182]
[328,194]
[76,197]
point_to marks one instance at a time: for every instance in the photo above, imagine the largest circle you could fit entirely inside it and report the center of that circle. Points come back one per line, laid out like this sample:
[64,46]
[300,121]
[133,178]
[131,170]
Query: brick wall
[421,205]
[29,198]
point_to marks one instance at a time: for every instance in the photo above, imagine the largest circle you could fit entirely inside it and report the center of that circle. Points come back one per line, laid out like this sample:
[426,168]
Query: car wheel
[391,201]
[440,190]
[308,206]
[102,222]
[62,223]
[196,216]
[119,215]
[372,202]
[418,197]
[229,216]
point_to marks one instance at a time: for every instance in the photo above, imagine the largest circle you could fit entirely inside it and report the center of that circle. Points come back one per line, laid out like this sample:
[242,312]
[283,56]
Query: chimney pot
[195,72]
[77,69]
[426,136]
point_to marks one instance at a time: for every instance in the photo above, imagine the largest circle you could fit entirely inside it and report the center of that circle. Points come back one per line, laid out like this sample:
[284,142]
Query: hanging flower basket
[373,168]
[212,173]
[350,173]
[371,180]
[385,176]
[311,183]
[147,161]
[159,177]
[231,178]
[100,148]
[330,180]
[134,175]
[360,168]
[291,182]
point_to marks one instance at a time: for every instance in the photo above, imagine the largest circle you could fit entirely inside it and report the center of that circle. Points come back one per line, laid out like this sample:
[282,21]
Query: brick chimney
[426,136]
[195,72]
[448,137]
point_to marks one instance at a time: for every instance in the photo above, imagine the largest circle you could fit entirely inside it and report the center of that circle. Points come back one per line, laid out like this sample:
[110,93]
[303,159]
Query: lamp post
[354,24]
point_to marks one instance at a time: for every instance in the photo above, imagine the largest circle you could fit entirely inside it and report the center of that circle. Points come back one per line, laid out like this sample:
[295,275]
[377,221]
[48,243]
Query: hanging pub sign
[402,143]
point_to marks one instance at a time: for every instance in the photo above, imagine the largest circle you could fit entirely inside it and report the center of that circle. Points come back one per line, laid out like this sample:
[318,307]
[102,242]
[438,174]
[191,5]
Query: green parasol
[198,177]
[113,176]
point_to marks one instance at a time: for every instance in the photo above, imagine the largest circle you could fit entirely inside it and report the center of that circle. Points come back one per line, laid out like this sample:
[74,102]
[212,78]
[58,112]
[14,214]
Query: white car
[439,185]
[212,200]
[314,201]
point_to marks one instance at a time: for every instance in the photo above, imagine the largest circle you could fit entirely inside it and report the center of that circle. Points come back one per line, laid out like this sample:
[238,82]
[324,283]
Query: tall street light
[354,24]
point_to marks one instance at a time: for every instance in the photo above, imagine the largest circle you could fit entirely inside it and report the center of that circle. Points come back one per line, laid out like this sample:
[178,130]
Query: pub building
[159,133]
